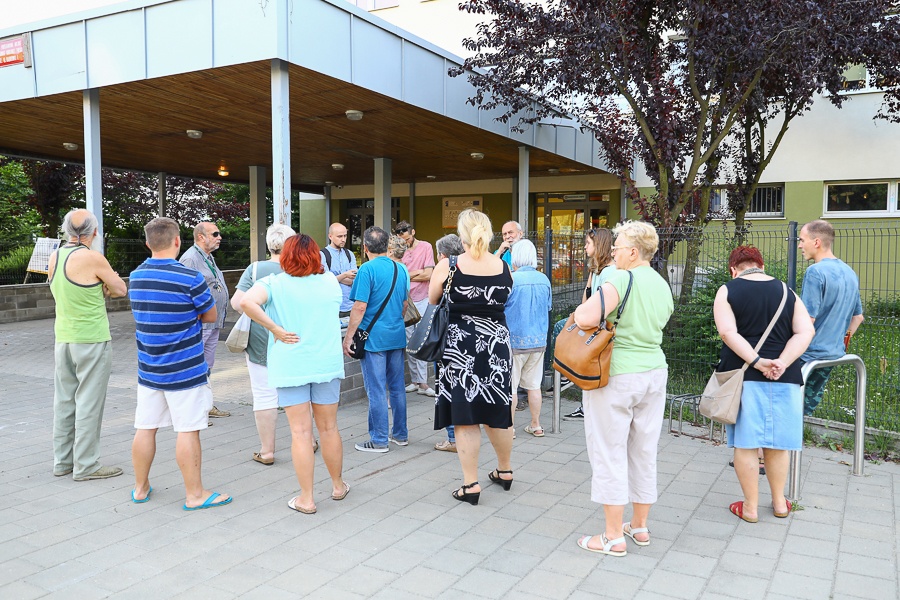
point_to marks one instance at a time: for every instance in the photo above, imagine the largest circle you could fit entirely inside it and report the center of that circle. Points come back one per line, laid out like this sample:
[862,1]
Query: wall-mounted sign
[575,197]
[453,206]
[15,51]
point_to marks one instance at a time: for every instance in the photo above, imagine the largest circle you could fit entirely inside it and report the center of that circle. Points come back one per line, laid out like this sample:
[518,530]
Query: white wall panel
[244,31]
[423,78]
[115,49]
[320,38]
[59,59]
[545,137]
[459,90]
[583,146]
[179,37]
[376,59]
[489,120]
[565,141]
[16,82]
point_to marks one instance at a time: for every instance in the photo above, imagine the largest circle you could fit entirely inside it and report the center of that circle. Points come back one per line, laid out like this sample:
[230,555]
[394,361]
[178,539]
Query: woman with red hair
[771,413]
[300,308]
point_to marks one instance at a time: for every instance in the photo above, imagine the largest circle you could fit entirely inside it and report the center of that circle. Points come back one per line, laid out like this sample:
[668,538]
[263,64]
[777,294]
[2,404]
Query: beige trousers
[622,423]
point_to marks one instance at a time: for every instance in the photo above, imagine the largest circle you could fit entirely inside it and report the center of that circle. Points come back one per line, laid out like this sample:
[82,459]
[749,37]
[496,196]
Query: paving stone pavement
[399,534]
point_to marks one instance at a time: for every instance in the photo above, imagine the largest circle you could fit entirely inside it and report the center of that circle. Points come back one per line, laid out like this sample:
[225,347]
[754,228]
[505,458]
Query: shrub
[13,265]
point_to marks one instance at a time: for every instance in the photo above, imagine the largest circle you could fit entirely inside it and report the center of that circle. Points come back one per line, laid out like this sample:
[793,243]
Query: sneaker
[576,415]
[522,405]
[399,442]
[215,412]
[62,471]
[446,446]
[101,473]
[412,388]
[370,447]
[564,384]
[425,392]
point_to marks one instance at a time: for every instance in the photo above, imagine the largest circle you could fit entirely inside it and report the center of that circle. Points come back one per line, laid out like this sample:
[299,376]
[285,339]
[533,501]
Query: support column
[522,188]
[257,213]
[412,203]
[281,143]
[93,181]
[327,193]
[514,209]
[383,167]
[161,186]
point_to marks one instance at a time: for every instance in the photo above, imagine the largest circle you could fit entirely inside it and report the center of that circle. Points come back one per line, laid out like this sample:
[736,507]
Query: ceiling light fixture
[477,155]
[329,183]
[194,134]
[431,177]
[553,171]
[337,167]
[354,115]
[223,170]
[70,146]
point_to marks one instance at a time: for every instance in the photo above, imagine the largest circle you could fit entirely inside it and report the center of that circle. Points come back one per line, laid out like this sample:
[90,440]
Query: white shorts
[264,397]
[528,371]
[184,410]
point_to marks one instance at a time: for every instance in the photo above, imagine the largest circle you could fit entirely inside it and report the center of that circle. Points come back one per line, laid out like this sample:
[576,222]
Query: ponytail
[475,231]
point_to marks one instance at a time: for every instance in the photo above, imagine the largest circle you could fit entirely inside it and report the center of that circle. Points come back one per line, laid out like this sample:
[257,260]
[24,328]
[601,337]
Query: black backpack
[327,255]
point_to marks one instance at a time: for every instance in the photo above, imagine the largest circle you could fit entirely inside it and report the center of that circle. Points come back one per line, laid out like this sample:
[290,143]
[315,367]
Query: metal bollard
[859,426]
[554,423]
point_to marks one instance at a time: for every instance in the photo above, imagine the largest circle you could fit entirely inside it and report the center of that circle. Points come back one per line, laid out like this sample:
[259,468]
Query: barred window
[767,201]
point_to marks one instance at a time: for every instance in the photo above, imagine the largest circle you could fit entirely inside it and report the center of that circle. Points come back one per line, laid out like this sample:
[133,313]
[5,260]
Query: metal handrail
[859,426]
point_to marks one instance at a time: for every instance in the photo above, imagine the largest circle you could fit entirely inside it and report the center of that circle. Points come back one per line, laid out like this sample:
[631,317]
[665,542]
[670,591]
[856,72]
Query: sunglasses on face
[216,234]
[401,230]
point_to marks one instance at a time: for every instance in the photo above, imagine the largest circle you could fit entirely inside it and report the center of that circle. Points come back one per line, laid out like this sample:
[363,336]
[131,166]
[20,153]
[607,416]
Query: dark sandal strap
[470,486]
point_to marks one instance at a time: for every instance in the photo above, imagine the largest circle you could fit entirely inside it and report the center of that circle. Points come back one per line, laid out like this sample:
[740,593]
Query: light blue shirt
[307,306]
[372,283]
[340,264]
[528,309]
[831,295]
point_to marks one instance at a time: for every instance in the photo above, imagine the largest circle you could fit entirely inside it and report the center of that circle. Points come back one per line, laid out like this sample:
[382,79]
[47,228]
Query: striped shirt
[166,299]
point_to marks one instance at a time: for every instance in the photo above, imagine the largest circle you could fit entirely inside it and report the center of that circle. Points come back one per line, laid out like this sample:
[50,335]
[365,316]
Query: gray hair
[276,235]
[397,247]
[376,240]
[85,228]
[523,254]
[518,226]
[449,245]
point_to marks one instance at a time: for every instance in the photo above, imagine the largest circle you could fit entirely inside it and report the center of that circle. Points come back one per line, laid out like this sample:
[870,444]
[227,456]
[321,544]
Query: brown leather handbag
[583,355]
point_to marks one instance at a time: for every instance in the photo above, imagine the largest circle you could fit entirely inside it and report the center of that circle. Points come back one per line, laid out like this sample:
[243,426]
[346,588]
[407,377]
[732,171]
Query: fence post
[792,255]
[548,253]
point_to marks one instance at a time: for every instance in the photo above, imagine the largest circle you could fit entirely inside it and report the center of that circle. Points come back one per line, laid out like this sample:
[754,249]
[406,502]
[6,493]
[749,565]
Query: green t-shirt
[639,334]
[257,345]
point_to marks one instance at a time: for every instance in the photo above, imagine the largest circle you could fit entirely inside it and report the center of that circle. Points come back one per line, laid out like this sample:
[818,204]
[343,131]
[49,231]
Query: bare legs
[468,445]
[143,449]
[534,406]
[265,427]
[777,464]
[746,466]
[300,422]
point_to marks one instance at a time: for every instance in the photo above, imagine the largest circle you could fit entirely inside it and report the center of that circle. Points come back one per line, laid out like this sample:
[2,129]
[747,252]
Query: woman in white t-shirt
[306,364]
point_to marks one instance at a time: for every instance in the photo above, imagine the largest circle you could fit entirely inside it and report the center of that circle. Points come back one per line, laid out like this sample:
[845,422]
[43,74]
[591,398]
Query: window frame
[891,210]
[757,216]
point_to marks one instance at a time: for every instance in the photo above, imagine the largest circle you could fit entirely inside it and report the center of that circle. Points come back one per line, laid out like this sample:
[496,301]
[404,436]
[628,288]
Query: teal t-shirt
[831,295]
[372,284]
[258,343]
[307,306]
[602,277]
[639,334]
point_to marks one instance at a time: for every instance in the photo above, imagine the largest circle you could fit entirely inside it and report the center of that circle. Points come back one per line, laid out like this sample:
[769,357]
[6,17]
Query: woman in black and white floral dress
[473,383]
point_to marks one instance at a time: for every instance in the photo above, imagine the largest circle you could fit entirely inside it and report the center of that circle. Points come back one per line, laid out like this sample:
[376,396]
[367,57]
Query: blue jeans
[451,434]
[384,371]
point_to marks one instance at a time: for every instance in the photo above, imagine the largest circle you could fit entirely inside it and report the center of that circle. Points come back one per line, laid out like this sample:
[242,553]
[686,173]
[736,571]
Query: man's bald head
[337,235]
[207,236]
[80,223]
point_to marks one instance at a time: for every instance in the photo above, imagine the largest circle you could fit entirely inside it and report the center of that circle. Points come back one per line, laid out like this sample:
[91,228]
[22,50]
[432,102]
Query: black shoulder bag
[358,343]
[428,339]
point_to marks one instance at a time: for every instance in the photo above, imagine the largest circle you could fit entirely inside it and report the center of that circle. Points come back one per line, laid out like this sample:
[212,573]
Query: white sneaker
[426,392]
[411,388]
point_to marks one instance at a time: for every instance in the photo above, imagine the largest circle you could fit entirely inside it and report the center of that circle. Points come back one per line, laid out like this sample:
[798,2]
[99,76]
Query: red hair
[300,256]
[743,255]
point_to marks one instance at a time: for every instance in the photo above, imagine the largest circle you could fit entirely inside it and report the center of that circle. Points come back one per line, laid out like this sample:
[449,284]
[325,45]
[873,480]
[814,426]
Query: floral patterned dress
[473,383]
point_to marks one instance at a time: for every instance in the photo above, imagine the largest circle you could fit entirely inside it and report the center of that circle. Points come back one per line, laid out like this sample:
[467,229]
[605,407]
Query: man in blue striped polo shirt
[169,302]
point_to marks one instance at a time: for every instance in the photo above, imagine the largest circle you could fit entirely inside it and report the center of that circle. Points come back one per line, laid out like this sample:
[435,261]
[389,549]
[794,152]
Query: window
[767,202]
[859,78]
[861,198]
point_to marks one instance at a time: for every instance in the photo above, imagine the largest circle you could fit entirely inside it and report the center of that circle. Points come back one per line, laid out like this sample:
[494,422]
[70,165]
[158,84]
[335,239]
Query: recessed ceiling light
[553,171]
[477,155]
[70,146]
[354,115]
[194,134]
[329,183]
[431,177]
[337,167]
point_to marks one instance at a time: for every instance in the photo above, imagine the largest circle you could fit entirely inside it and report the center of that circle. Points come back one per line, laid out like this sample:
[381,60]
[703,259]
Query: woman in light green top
[622,421]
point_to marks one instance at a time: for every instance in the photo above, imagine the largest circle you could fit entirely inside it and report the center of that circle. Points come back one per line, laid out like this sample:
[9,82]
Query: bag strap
[765,335]
[624,300]
[450,277]
[386,299]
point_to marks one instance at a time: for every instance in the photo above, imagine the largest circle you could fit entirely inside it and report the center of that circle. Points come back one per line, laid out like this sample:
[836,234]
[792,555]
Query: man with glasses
[512,233]
[341,262]
[199,257]
[419,260]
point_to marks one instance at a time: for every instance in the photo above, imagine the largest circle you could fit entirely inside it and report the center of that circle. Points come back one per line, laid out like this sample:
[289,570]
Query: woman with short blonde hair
[473,382]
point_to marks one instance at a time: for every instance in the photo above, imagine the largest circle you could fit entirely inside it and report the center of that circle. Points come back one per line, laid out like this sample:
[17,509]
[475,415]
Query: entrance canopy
[268,84]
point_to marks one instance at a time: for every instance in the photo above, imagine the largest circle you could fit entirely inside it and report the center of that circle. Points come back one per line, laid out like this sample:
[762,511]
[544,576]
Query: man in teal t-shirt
[382,364]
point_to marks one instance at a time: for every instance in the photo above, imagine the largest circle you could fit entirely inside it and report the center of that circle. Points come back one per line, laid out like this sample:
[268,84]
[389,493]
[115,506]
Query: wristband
[755,360]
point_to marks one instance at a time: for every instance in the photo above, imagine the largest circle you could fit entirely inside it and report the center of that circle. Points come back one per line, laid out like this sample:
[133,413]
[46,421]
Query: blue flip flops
[210,502]
[144,499]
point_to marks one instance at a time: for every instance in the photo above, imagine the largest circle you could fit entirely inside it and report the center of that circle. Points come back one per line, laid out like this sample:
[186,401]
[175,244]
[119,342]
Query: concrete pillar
[522,188]
[514,209]
[93,180]
[383,170]
[281,143]
[412,203]
[327,193]
[161,186]
[257,213]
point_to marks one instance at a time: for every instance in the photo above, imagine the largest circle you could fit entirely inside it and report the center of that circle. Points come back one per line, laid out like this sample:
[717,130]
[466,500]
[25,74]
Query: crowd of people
[496,343]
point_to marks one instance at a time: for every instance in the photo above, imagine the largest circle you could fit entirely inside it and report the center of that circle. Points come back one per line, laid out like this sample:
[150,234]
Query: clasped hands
[772,368]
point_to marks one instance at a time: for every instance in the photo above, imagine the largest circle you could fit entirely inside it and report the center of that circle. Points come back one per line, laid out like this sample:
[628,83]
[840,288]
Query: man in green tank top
[80,281]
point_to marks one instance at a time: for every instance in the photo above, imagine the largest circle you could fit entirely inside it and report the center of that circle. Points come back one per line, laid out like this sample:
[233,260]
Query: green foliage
[882,444]
[13,265]
[19,223]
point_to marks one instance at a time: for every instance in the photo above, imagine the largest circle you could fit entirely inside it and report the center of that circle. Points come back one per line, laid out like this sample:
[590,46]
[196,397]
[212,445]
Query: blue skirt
[771,416]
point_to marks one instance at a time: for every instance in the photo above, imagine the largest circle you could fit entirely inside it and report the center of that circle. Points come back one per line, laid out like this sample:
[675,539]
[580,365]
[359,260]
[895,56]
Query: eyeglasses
[401,230]
[216,234]
[614,248]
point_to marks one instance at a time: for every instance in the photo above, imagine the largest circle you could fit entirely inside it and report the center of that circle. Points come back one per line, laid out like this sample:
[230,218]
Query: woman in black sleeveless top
[771,413]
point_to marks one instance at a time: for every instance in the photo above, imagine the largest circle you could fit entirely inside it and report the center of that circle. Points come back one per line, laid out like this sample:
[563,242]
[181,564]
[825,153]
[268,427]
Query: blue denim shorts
[319,393]
[771,416]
